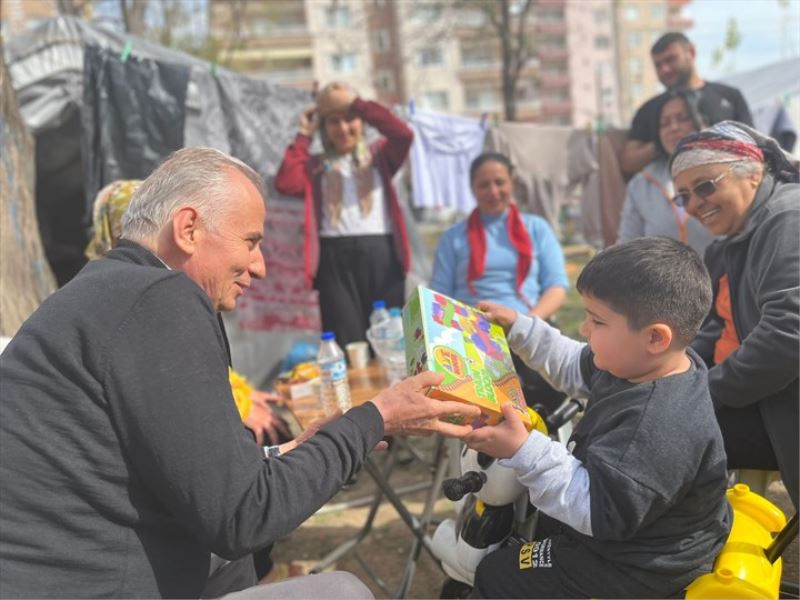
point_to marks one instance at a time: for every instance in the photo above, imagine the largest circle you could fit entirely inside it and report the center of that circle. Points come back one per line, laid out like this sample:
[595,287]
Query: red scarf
[520,239]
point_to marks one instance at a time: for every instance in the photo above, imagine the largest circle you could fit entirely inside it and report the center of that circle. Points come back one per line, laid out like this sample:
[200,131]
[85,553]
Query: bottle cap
[395,312]
[327,336]
[379,304]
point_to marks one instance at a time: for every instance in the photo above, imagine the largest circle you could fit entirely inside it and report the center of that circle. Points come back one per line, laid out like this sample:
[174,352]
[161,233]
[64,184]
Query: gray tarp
[251,119]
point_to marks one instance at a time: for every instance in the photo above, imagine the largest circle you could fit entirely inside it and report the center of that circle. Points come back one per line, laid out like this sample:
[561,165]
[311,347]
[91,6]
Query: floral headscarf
[109,205]
[729,141]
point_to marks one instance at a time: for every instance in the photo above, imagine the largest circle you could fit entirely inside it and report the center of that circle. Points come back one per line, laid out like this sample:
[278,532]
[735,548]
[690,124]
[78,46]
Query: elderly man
[673,58]
[123,461]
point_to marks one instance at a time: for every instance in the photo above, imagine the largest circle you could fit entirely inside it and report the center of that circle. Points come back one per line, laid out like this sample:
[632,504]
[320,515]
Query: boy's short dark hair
[651,280]
[666,40]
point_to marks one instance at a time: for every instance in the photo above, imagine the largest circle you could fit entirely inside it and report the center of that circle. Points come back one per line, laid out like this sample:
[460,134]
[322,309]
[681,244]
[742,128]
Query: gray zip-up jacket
[763,267]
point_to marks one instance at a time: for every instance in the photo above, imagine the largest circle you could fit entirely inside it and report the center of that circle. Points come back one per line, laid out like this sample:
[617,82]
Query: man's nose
[258,268]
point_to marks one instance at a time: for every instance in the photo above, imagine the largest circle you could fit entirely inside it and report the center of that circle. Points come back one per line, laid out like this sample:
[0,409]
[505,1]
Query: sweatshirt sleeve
[557,482]
[443,279]
[292,177]
[632,223]
[552,269]
[766,361]
[397,135]
[546,350]
[169,398]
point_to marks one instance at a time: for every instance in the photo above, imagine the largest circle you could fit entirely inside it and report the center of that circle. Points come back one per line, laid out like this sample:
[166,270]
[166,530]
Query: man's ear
[659,338]
[186,227]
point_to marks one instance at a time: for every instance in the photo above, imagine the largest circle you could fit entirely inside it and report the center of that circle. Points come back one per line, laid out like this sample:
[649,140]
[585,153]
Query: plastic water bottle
[379,319]
[394,330]
[334,389]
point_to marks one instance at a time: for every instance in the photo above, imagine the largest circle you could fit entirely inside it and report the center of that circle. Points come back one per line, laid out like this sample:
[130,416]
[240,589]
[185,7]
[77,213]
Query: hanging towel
[443,148]
[539,156]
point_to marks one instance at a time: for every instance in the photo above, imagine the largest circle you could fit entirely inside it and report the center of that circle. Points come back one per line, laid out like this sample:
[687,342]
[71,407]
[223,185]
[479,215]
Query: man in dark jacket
[674,61]
[123,461]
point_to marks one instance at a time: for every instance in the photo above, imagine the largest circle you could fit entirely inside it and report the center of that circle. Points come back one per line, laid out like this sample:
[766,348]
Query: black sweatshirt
[123,460]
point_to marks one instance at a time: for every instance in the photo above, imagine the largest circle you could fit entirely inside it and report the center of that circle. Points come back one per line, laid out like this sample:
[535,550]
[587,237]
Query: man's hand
[262,420]
[308,121]
[406,409]
[502,440]
[497,313]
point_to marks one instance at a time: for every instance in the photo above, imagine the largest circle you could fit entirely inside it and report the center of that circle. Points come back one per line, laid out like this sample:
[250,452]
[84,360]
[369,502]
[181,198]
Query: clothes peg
[411,107]
[126,51]
[484,118]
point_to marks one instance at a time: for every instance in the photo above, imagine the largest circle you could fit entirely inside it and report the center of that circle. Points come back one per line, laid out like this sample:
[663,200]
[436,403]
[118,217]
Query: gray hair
[199,177]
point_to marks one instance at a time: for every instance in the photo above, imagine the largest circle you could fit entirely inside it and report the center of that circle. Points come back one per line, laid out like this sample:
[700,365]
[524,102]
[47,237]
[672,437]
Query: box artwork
[449,337]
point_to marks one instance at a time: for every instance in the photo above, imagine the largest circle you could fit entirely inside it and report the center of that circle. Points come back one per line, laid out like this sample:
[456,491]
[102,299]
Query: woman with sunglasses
[740,185]
[356,246]
[648,208]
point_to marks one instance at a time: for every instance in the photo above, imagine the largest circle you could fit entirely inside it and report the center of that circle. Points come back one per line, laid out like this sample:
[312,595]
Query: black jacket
[123,460]
[763,267]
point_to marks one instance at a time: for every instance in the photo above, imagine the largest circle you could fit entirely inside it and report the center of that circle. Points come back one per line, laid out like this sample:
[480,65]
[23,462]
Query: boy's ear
[659,338]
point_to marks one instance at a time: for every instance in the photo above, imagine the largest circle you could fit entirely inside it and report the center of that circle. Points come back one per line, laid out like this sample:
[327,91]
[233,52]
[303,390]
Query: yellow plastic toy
[742,569]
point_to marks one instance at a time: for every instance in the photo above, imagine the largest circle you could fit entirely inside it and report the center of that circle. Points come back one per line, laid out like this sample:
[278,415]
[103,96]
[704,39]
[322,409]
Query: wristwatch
[272,451]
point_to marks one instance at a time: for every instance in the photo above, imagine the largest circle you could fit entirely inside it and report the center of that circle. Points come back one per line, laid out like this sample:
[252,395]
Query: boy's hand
[502,315]
[502,440]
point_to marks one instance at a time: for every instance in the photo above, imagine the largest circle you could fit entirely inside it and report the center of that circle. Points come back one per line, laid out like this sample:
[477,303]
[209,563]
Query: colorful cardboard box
[449,337]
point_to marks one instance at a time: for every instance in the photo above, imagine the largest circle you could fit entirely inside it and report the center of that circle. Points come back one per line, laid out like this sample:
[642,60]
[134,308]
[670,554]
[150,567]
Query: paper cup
[358,354]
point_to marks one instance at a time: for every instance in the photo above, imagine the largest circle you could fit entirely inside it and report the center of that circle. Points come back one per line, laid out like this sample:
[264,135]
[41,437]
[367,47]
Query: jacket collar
[128,251]
[759,210]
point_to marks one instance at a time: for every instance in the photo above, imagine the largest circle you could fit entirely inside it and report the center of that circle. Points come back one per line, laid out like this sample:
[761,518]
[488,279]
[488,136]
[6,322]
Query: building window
[602,41]
[631,13]
[344,62]
[379,3]
[338,16]
[657,13]
[634,40]
[385,81]
[434,100]
[383,41]
[636,91]
[635,67]
[476,55]
[600,15]
[430,56]
[427,13]
[482,99]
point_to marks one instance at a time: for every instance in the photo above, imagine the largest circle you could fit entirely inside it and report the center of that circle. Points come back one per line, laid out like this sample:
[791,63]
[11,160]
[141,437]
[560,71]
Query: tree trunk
[508,79]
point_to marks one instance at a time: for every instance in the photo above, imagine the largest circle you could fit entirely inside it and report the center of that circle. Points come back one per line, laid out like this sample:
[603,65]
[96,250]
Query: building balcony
[553,54]
[551,82]
[556,107]
[543,3]
[551,27]
[678,2]
[289,77]
[679,22]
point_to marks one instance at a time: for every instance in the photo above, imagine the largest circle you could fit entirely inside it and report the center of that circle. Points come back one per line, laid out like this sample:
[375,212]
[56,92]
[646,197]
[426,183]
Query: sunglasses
[701,190]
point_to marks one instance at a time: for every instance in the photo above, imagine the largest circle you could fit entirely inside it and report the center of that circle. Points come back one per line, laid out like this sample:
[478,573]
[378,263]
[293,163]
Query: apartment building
[589,61]
[639,24]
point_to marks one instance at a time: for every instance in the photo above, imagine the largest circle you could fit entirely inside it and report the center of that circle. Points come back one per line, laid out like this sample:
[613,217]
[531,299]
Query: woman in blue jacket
[502,255]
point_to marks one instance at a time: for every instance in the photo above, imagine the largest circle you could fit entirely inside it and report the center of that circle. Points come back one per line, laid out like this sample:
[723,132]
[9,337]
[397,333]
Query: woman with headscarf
[503,255]
[740,185]
[648,208]
[356,246]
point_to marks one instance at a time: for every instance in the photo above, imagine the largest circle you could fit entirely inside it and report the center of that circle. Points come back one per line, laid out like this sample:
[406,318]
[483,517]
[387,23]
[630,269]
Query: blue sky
[769,33]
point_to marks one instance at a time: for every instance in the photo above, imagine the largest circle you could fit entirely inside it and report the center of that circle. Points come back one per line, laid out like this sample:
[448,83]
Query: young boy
[635,505]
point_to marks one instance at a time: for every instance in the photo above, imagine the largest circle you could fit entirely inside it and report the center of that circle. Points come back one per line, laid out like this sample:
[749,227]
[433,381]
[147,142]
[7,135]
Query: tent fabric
[132,115]
[25,276]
